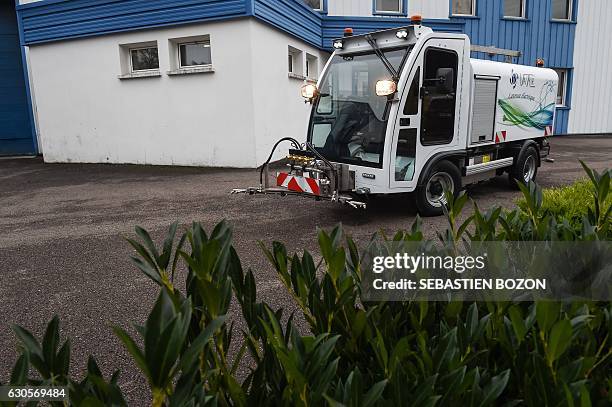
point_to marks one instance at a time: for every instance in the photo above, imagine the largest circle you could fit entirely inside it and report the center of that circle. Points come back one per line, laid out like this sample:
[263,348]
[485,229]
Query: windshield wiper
[383,57]
[395,75]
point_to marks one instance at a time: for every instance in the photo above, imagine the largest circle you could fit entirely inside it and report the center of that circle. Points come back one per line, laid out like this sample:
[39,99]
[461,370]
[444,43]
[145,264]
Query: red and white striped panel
[296,183]
[548,131]
[500,137]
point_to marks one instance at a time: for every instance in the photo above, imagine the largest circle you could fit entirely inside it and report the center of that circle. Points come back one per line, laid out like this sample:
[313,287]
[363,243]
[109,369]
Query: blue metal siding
[318,29]
[56,20]
[53,20]
[536,37]
[16,134]
[333,26]
[293,17]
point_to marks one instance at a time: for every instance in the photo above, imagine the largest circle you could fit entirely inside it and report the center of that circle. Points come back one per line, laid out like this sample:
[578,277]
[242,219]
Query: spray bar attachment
[308,174]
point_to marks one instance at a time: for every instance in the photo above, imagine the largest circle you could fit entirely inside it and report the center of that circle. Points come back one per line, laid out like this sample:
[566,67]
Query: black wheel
[430,198]
[525,169]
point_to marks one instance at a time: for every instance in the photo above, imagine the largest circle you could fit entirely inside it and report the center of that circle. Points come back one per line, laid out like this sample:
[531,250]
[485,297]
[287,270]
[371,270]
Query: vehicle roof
[384,38]
[494,68]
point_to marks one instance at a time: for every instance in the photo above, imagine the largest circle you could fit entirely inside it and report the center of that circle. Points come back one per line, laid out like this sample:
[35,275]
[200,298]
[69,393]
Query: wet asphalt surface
[62,249]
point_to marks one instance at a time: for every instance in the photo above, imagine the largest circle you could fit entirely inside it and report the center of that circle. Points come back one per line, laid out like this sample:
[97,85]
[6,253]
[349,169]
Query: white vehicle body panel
[526,98]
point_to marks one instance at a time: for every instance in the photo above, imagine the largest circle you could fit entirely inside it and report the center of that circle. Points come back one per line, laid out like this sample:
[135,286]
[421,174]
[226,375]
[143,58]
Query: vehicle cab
[389,101]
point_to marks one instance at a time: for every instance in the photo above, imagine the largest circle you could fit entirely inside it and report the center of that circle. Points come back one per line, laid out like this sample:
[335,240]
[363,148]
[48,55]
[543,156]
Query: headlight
[338,44]
[386,87]
[309,91]
[402,34]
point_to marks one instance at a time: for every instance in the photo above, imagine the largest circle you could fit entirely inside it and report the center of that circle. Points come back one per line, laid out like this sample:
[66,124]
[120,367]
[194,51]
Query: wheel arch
[456,158]
[519,149]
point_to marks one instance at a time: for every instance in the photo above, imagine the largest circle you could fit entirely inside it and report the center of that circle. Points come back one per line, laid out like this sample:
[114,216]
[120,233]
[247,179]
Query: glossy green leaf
[495,388]
[559,340]
[547,313]
[518,323]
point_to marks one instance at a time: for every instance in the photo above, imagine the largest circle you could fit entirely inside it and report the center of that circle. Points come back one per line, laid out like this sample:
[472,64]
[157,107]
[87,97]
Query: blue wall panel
[16,135]
[291,16]
[53,20]
[536,36]
[56,20]
[333,27]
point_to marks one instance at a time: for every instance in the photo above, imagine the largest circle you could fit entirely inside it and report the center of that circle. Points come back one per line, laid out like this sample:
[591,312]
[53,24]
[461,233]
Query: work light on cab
[309,91]
[402,34]
[386,87]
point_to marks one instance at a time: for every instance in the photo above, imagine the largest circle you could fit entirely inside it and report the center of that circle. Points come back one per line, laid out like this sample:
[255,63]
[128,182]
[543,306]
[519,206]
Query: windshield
[349,120]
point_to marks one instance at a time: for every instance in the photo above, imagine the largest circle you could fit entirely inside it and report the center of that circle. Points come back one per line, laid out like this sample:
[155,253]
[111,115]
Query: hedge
[356,353]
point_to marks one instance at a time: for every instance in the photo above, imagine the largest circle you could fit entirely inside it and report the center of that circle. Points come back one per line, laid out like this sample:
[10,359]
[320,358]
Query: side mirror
[446,78]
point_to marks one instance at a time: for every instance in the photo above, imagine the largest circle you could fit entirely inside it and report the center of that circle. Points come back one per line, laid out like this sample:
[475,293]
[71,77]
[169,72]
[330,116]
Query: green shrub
[570,202]
[357,353]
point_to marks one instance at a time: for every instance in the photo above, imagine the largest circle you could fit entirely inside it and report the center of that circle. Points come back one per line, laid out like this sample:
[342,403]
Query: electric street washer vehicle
[408,110]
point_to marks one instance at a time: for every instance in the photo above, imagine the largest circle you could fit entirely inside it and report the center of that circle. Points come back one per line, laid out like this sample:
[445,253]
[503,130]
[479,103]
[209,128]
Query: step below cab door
[428,118]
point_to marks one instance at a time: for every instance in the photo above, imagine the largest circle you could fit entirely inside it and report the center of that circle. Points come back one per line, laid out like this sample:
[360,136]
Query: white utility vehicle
[408,110]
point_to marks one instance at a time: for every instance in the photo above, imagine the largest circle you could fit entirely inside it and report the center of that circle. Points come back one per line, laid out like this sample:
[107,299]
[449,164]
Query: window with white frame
[514,8]
[194,54]
[388,6]
[295,62]
[562,10]
[190,55]
[315,4]
[144,59]
[139,60]
[562,89]
[312,66]
[464,7]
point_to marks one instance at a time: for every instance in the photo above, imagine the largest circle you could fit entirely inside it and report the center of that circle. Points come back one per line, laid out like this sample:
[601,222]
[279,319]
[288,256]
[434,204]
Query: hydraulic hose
[293,141]
[329,164]
[297,145]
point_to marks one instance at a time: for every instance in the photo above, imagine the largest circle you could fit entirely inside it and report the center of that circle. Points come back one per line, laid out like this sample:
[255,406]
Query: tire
[525,169]
[430,199]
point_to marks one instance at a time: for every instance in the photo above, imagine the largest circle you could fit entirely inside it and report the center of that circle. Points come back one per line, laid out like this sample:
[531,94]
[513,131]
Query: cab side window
[411,107]
[439,94]
[407,137]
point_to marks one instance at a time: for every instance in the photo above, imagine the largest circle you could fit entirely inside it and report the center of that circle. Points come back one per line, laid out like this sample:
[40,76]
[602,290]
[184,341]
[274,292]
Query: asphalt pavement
[62,249]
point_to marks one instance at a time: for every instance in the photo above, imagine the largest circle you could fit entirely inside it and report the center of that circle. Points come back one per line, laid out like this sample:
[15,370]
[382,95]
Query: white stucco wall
[230,117]
[363,8]
[429,8]
[592,87]
[280,111]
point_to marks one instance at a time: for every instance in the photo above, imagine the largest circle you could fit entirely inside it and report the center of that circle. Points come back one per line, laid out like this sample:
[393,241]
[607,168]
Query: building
[216,82]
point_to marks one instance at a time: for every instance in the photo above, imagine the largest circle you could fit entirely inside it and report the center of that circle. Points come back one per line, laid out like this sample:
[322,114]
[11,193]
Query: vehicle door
[428,119]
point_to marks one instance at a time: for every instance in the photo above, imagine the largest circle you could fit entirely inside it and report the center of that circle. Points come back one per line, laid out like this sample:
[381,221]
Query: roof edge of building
[57,20]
